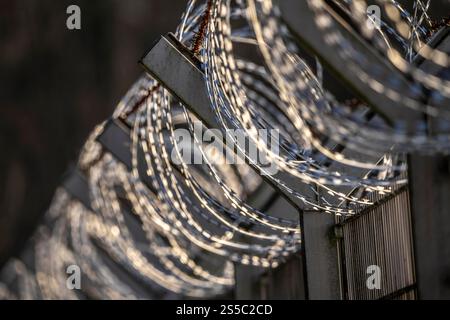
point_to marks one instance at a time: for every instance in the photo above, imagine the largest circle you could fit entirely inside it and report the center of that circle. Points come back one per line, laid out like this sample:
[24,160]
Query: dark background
[56,85]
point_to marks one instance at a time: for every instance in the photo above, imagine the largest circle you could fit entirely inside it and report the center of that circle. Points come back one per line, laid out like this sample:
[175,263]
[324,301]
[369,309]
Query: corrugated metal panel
[380,235]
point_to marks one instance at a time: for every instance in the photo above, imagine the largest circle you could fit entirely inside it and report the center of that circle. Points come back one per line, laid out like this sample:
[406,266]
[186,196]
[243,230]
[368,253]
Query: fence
[380,235]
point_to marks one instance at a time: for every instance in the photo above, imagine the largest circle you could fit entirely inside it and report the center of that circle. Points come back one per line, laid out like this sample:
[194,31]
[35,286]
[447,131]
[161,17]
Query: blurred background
[56,85]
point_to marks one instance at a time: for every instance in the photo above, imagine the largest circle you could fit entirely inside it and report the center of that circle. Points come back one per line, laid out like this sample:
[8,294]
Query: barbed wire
[179,227]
